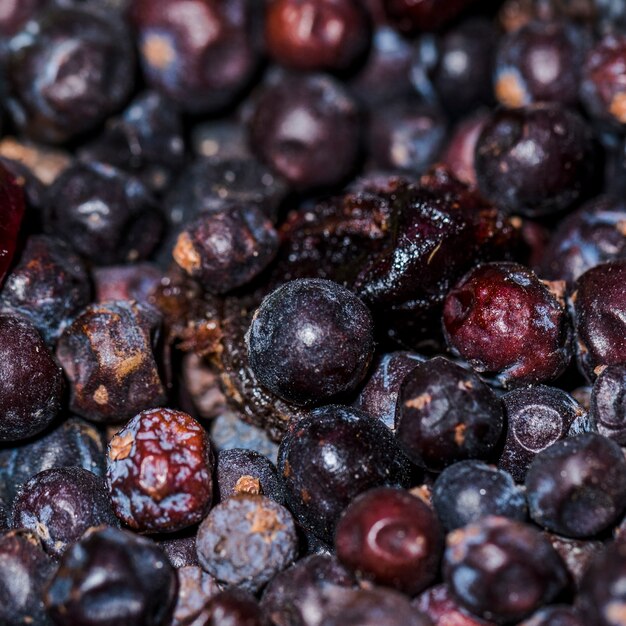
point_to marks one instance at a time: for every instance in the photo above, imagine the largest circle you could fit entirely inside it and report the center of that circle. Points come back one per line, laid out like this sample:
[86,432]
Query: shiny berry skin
[470,490]
[159,471]
[535,161]
[608,403]
[315,35]
[424,15]
[438,604]
[537,416]
[109,577]
[300,124]
[392,538]
[32,382]
[310,340]
[234,607]
[502,319]
[577,487]
[69,70]
[445,413]
[108,357]
[599,310]
[246,540]
[200,54]
[196,588]
[554,616]
[501,569]
[329,457]
[60,504]
[12,208]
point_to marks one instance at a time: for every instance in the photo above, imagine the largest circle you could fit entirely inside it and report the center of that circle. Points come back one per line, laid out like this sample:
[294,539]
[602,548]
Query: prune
[137,282]
[105,215]
[576,554]
[226,248]
[195,591]
[427,15]
[554,616]
[577,487]
[32,383]
[246,471]
[234,607]
[540,62]
[11,213]
[200,57]
[110,577]
[503,320]
[329,457]
[501,569]
[379,395]
[180,548]
[599,310]
[317,34]
[24,571]
[301,124]
[536,417]
[445,413]
[246,540]
[68,70]
[310,340]
[608,403]
[49,285]
[159,471]
[470,490]
[535,161]
[60,504]
[438,604]
[392,538]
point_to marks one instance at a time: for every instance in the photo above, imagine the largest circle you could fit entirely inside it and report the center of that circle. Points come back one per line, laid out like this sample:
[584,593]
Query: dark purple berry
[196,588]
[12,209]
[424,15]
[234,607]
[554,616]
[608,403]
[180,548]
[228,431]
[576,554]
[137,282]
[438,604]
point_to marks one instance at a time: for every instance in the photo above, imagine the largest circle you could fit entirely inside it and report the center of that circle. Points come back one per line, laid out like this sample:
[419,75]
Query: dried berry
[426,15]
[554,616]
[608,403]
[438,604]
[11,214]
[234,607]
[195,592]
[180,548]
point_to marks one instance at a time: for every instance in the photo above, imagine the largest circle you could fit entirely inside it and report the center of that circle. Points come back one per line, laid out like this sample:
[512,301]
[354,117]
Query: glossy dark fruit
[12,209]
[196,588]
[68,70]
[536,416]
[599,308]
[314,35]
[159,471]
[379,394]
[503,320]
[105,215]
[540,62]
[109,577]
[310,340]
[445,413]
[201,57]
[577,487]
[501,569]
[24,571]
[180,548]
[245,471]
[108,357]
[594,234]
[246,540]
[470,490]
[426,15]
[49,285]
[234,607]
[439,605]
[137,282]
[392,538]
[329,457]
[288,596]
[32,382]
[227,248]
[73,443]
[558,615]
[608,403]
[536,161]
[301,124]
[576,554]
[60,504]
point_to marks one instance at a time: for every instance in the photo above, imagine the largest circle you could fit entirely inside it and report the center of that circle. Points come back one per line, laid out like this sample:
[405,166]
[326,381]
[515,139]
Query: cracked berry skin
[246,540]
[536,416]
[439,605]
[599,311]
[392,538]
[409,16]
[445,413]
[329,457]
[503,320]
[317,35]
[159,471]
[502,570]
[112,577]
[554,616]
[577,487]
[227,248]
[32,382]
[234,607]
[536,160]
[608,403]
[69,70]
[470,490]
[310,340]
[196,588]
[60,504]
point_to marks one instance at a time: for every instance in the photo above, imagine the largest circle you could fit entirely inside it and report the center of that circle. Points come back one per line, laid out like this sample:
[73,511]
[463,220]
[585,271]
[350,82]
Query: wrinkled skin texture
[608,403]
